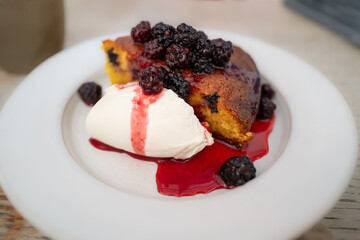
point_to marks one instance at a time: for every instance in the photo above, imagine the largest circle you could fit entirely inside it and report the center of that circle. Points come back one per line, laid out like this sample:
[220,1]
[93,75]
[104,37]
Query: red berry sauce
[139,118]
[199,174]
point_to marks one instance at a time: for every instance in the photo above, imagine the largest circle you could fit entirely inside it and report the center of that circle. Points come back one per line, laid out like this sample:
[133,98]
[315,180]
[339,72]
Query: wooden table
[270,21]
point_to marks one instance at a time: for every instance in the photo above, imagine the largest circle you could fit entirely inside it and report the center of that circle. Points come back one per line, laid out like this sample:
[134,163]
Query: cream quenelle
[161,125]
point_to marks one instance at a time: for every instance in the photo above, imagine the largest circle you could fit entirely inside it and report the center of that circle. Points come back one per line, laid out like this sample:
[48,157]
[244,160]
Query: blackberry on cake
[177,57]
[222,52]
[142,32]
[153,49]
[176,82]
[151,80]
[164,33]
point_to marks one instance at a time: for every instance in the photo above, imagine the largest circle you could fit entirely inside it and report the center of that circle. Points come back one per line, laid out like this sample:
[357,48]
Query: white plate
[70,190]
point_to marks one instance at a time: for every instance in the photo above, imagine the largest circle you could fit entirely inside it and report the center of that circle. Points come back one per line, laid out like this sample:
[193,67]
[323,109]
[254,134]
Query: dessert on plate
[188,103]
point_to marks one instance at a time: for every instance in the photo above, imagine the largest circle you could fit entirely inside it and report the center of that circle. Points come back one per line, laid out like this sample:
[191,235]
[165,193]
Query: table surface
[269,21]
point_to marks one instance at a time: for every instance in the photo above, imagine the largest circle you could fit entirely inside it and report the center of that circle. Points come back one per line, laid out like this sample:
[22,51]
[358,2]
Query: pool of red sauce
[199,174]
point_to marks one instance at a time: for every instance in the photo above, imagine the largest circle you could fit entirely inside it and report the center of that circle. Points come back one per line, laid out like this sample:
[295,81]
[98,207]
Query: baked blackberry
[222,51]
[113,57]
[176,82]
[151,80]
[177,57]
[266,108]
[153,49]
[185,35]
[212,99]
[164,33]
[237,171]
[201,65]
[267,91]
[142,32]
[90,93]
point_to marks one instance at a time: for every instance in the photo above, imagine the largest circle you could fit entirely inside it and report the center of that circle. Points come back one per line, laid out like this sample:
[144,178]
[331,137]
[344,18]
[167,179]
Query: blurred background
[324,33]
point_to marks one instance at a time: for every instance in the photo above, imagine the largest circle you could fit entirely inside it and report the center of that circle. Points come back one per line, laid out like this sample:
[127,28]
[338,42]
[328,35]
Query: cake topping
[164,33]
[183,47]
[201,64]
[141,32]
[90,93]
[237,171]
[177,57]
[151,80]
[176,82]
[185,35]
[203,45]
[202,54]
[153,49]
[222,52]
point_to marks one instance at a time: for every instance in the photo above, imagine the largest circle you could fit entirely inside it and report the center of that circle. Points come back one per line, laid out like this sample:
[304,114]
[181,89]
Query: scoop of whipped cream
[161,125]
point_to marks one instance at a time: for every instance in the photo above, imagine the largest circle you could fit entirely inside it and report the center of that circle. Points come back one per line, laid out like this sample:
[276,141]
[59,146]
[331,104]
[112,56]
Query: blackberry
[176,82]
[201,65]
[203,45]
[90,93]
[185,35]
[267,91]
[202,54]
[113,57]
[142,32]
[151,80]
[153,50]
[201,35]
[222,52]
[204,48]
[237,171]
[177,56]
[266,109]
[164,33]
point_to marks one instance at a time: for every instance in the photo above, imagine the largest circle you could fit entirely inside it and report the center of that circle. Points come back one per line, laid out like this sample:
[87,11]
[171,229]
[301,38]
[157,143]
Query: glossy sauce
[140,118]
[199,174]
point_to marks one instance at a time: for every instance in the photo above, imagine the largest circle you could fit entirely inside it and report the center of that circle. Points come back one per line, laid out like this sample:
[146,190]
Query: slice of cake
[227,97]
